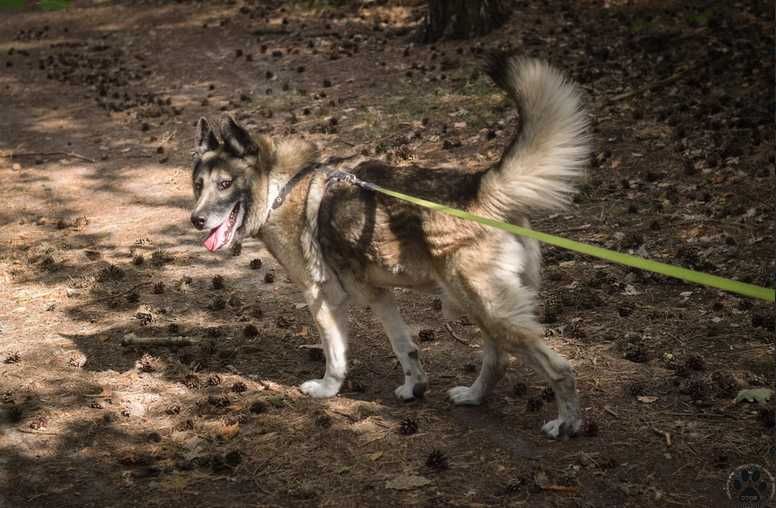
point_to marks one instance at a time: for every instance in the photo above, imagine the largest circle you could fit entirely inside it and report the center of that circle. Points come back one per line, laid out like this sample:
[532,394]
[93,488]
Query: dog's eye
[224,184]
[198,186]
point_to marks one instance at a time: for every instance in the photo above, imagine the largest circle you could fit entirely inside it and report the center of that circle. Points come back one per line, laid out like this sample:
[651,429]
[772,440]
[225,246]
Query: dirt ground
[98,104]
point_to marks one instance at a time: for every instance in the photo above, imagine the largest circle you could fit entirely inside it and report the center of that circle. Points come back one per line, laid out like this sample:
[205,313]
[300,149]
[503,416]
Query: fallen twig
[571,489]
[666,435]
[123,293]
[702,415]
[611,411]
[583,227]
[15,155]
[453,334]
[42,433]
[351,418]
[159,341]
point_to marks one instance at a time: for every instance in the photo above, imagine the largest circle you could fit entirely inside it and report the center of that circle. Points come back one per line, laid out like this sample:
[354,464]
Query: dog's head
[230,182]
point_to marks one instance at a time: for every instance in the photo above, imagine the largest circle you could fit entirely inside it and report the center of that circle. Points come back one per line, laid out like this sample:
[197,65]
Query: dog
[341,243]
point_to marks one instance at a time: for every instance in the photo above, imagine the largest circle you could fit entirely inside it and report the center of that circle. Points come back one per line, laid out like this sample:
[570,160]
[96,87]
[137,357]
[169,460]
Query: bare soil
[98,104]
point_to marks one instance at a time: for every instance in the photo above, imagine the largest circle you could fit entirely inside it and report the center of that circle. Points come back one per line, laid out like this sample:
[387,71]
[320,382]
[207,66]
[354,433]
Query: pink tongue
[217,237]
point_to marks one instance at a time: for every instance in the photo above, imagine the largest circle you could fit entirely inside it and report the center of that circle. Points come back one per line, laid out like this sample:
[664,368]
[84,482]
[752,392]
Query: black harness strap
[324,167]
[290,184]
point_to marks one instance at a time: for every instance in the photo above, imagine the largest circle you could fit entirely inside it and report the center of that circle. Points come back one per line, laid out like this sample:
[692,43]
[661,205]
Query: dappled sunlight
[134,363]
[33,45]
[53,123]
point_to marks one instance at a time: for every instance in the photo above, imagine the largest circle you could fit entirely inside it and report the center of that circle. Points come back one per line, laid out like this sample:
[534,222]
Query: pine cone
[437,460]
[408,427]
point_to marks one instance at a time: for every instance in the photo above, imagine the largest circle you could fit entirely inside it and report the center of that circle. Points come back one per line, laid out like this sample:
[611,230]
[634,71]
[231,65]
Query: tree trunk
[462,19]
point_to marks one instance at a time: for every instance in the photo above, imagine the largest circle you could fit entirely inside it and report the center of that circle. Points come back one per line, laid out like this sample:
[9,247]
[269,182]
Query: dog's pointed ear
[237,140]
[204,140]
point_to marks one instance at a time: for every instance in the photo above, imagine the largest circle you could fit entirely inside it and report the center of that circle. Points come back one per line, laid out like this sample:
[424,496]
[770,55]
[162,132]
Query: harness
[333,175]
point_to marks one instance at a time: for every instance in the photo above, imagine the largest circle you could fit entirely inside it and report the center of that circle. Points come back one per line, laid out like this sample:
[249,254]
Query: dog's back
[375,234]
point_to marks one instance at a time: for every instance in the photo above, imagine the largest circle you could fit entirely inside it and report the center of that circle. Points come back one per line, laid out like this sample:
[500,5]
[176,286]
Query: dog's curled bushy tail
[546,158]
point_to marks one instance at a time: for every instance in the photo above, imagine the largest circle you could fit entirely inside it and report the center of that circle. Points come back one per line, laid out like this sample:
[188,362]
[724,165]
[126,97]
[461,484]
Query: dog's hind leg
[520,334]
[499,291]
[331,319]
[415,381]
[560,374]
[494,364]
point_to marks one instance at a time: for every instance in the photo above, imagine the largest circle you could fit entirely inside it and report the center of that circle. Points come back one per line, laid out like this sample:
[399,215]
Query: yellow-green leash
[732,286]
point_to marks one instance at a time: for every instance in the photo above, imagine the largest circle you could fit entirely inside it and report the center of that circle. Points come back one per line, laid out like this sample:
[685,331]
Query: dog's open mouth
[224,234]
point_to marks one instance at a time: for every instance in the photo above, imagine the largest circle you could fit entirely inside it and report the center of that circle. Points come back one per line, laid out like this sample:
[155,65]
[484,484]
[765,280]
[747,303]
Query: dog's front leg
[331,320]
[406,350]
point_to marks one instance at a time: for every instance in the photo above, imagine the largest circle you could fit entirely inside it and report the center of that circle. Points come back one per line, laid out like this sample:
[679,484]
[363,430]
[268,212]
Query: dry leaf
[646,399]
[228,432]
[630,290]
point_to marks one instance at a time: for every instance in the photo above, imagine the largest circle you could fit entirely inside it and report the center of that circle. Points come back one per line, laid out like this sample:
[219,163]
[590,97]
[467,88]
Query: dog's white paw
[464,396]
[320,388]
[410,391]
[561,429]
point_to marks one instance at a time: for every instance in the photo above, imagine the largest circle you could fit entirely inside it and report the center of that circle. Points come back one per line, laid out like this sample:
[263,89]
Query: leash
[676,272]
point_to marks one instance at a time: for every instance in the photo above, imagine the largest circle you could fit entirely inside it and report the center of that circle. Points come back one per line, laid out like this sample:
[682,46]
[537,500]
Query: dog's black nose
[198,221]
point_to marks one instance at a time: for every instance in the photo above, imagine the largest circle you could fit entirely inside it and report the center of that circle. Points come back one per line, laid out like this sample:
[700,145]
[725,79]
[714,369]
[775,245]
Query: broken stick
[570,489]
[454,335]
[15,155]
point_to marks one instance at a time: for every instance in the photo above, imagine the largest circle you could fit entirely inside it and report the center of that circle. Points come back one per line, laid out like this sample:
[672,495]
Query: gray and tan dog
[340,242]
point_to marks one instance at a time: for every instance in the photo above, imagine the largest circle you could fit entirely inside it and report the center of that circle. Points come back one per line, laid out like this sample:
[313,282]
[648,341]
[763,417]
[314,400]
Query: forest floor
[98,105]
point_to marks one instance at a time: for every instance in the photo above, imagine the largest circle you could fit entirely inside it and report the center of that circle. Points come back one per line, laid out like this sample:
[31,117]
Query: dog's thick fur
[340,242]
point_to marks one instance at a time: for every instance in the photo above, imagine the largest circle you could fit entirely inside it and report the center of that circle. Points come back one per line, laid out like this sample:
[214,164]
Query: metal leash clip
[343,176]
